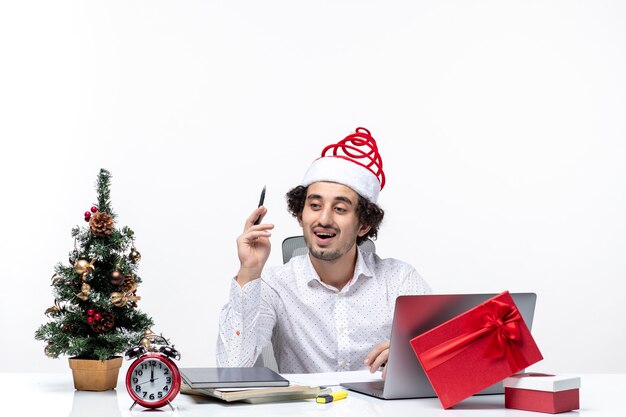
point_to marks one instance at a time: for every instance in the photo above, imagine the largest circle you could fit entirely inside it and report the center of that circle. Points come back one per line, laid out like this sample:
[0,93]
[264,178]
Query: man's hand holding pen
[253,246]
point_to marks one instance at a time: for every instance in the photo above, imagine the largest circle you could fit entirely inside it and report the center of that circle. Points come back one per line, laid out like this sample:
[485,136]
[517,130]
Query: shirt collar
[361,269]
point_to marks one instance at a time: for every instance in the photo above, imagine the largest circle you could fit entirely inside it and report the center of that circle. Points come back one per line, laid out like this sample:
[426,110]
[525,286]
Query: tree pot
[95,375]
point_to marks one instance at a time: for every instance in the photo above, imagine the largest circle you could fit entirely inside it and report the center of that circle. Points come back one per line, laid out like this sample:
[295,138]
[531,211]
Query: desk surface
[52,395]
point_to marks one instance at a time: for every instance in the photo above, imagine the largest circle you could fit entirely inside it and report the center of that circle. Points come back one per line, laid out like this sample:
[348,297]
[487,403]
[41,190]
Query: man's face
[329,220]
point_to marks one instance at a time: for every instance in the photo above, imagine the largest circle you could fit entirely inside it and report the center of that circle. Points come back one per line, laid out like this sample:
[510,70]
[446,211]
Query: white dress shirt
[312,326]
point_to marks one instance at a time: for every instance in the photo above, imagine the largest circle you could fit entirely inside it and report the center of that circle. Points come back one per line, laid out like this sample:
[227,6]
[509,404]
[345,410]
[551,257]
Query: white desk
[51,395]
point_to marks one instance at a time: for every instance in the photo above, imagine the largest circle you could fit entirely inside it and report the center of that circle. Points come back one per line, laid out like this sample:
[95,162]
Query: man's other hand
[378,357]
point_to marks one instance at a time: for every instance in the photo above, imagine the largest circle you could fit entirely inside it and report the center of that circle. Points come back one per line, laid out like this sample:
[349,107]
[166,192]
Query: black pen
[261,201]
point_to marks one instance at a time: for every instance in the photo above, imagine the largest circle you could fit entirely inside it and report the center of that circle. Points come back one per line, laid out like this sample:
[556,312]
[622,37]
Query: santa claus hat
[354,162]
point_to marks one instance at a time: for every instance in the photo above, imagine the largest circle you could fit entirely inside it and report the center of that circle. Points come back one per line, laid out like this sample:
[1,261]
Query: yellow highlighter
[333,396]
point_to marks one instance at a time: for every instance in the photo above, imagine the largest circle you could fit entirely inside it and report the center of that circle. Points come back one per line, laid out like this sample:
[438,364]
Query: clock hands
[150,380]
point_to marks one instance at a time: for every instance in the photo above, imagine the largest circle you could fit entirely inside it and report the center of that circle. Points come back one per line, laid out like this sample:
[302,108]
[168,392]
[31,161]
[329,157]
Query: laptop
[413,315]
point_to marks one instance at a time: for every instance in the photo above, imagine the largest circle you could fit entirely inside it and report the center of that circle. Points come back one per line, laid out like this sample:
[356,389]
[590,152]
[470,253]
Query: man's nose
[326,216]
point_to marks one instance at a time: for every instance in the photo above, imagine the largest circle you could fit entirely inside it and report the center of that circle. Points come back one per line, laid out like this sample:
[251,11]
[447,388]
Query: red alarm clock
[153,379]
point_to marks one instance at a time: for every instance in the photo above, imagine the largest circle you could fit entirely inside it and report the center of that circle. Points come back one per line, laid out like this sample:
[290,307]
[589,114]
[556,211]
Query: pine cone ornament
[105,324]
[129,284]
[101,224]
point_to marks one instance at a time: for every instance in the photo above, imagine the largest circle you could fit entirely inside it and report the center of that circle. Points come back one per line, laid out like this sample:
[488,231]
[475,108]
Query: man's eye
[340,210]
[314,206]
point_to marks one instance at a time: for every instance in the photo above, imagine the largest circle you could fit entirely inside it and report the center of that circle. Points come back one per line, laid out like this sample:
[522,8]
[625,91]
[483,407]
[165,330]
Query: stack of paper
[258,395]
[253,385]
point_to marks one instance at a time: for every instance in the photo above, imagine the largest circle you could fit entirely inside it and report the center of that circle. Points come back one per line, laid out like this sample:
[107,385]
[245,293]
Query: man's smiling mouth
[325,235]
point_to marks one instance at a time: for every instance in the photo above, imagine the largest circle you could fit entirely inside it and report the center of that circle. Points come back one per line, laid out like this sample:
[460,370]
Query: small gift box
[476,349]
[542,392]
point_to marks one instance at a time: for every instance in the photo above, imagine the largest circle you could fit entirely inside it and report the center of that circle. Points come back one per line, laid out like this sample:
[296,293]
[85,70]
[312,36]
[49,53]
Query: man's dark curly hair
[369,213]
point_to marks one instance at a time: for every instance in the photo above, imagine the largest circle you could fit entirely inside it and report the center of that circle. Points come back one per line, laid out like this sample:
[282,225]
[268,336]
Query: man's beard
[323,255]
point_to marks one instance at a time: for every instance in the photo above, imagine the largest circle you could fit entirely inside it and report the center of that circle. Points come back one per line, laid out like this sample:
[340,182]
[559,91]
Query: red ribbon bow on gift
[494,319]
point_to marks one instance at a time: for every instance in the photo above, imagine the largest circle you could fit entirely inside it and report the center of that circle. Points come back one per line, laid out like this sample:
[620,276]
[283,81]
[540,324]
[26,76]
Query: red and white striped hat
[354,162]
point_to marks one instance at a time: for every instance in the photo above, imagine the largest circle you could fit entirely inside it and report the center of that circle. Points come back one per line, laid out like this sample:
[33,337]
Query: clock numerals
[146,385]
[152,397]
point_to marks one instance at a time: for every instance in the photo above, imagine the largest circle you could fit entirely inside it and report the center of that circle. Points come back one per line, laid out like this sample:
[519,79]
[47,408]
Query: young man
[330,310]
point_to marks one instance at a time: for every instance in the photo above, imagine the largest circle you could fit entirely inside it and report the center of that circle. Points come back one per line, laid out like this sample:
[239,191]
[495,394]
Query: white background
[501,125]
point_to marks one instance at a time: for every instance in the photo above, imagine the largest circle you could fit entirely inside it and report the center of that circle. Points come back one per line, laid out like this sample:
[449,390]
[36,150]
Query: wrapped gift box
[542,392]
[476,349]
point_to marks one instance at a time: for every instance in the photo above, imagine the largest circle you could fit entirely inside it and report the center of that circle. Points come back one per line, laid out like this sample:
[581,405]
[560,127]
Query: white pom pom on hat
[354,162]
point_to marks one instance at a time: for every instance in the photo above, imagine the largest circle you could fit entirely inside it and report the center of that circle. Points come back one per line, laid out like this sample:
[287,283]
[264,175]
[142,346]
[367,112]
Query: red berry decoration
[97,316]
[90,312]
[94,209]
[90,320]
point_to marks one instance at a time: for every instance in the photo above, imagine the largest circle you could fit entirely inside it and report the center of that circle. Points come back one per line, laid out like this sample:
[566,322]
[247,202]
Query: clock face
[152,380]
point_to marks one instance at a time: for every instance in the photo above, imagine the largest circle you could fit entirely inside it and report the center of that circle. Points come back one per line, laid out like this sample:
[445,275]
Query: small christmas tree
[95,313]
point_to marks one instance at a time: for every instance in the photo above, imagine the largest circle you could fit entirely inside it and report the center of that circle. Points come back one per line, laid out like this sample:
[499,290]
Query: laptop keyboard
[378,384]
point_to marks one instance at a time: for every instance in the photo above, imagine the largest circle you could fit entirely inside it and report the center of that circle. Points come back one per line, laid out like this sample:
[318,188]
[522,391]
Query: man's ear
[363,230]
[299,217]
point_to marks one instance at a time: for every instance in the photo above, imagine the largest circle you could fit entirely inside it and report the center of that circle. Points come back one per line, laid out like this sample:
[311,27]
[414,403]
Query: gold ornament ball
[145,342]
[134,256]
[81,266]
[48,350]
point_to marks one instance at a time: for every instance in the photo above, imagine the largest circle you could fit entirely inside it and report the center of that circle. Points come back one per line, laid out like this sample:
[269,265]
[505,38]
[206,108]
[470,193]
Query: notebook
[232,377]
[413,315]
[258,395]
